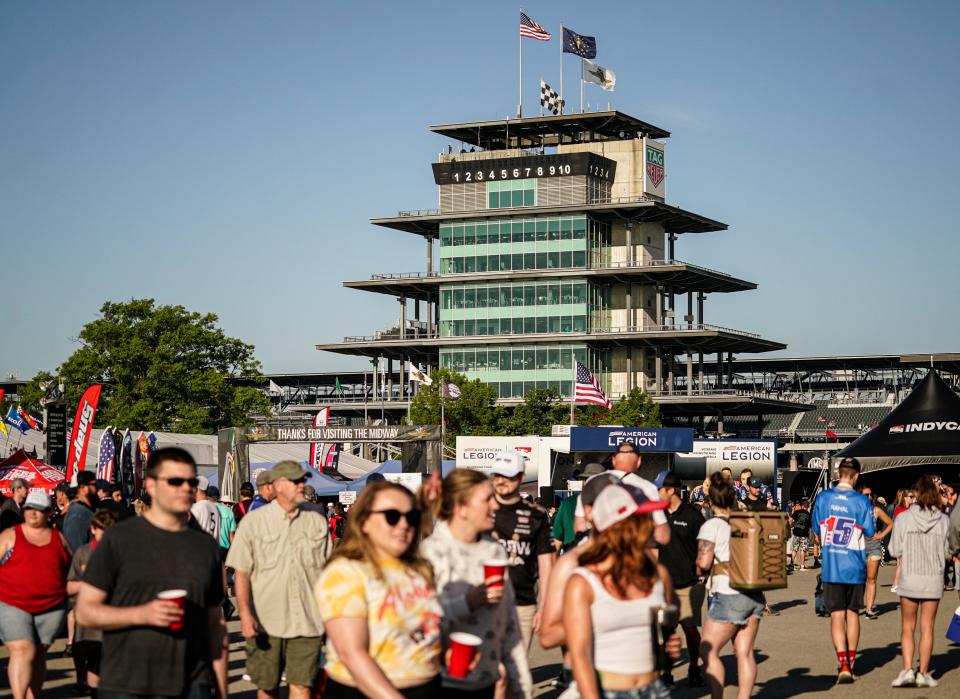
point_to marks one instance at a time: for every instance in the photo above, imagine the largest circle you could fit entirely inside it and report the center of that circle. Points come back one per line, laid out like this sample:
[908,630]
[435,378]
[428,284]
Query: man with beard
[76,525]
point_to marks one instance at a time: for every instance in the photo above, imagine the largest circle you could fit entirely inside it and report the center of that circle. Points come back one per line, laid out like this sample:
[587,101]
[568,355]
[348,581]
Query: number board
[524,167]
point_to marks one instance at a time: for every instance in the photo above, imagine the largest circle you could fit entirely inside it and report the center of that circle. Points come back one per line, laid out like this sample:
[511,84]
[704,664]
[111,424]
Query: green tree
[475,412]
[541,409]
[164,368]
[636,409]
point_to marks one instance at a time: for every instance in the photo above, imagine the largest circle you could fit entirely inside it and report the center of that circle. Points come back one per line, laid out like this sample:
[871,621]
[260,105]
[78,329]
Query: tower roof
[533,132]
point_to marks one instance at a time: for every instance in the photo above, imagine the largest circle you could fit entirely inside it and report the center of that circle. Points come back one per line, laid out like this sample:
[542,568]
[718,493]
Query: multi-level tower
[556,244]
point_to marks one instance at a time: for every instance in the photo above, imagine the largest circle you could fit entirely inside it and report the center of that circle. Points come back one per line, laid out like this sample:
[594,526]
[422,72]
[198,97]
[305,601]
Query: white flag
[419,376]
[451,390]
[597,74]
[275,389]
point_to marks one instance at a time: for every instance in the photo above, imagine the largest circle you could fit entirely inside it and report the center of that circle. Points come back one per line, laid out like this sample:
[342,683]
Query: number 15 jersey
[844,521]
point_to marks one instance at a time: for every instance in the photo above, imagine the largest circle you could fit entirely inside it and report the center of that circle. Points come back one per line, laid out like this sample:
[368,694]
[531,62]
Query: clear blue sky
[227,156]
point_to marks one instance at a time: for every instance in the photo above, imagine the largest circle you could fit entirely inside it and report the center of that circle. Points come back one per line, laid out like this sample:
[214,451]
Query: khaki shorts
[691,604]
[269,656]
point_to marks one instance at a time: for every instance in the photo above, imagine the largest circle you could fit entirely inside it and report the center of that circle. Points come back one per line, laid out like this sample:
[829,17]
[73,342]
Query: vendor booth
[37,474]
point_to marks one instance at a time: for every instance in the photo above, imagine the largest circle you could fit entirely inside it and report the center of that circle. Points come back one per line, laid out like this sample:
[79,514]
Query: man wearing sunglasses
[278,553]
[152,646]
[523,529]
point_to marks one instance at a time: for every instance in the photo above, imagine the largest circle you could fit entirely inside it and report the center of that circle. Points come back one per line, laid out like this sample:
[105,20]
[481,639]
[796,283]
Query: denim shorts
[42,628]
[737,608]
[657,690]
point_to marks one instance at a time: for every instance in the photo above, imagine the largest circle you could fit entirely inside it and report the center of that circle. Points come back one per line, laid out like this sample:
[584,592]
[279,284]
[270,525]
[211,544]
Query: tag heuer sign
[654,165]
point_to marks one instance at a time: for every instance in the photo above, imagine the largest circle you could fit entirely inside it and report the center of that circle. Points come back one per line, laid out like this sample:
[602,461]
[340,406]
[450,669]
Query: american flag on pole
[531,29]
[587,389]
[107,458]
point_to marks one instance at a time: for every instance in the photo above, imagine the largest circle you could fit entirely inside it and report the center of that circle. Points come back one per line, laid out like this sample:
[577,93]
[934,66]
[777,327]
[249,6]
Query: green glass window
[469,235]
[481,234]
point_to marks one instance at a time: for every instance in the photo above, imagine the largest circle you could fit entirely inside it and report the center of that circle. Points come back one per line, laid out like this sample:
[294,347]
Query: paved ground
[794,651]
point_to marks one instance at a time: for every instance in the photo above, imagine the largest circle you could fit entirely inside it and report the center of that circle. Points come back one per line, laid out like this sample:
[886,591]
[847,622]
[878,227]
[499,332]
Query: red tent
[35,472]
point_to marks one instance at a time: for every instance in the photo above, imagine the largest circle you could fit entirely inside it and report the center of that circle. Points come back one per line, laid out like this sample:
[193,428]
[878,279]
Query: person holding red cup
[470,573]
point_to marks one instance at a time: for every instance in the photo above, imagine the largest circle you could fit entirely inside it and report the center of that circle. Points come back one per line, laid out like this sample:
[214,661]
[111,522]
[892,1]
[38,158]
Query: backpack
[758,551]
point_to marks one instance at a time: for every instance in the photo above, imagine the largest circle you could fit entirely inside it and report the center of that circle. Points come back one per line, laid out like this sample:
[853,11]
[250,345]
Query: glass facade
[536,242]
[512,308]
[506,194]
[515,370]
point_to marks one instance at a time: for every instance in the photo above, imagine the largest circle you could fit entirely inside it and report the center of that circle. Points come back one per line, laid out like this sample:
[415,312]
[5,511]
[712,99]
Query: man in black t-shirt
[679,555]
[800,521]
[754,501]
[151,646]
[523,529]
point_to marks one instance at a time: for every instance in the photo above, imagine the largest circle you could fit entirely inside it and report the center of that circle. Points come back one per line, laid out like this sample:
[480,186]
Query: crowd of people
[441,592]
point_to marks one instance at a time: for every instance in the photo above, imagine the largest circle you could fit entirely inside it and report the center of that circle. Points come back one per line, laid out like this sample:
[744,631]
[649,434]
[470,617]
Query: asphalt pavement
[794,652]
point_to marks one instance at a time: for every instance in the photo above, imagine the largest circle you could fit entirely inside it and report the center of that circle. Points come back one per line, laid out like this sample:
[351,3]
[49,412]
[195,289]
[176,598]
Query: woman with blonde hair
[378,603]
[484,607]
[613,597]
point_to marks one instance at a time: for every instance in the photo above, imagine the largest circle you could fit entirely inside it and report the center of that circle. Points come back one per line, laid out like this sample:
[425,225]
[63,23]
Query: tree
[541,409]
[164,368]
[475,412]
[636,409]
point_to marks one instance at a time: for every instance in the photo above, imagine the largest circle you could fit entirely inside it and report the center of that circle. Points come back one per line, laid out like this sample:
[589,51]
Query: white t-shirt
[208,517]
[631,479]
[717,531]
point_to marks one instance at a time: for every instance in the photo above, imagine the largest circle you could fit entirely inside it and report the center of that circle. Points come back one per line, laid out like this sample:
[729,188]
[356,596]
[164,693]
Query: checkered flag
[550,99]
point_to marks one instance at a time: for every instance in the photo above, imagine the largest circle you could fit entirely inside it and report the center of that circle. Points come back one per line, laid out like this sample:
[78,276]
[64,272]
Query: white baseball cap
[37,500]
[616,503]
[203,483]
[508,463]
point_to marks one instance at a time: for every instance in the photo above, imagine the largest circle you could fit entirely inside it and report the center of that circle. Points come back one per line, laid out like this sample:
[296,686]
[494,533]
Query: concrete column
[689,373]
[376,374]
[658,370]
[629,304]
[429,255]
[701,297]
[689,316]
[630,380]
[719,370]
[416,317]
[729,369]
[670,373]
[659,309]
[429,315]
[403,317]
[700,375]
[671,246]
[719,424]
[630,255]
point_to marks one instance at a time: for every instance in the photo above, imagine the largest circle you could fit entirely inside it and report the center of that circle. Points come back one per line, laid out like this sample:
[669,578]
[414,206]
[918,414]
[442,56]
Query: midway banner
[82,428]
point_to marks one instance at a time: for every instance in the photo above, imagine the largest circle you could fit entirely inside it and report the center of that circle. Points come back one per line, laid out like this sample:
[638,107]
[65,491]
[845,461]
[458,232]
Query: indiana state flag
[578,44]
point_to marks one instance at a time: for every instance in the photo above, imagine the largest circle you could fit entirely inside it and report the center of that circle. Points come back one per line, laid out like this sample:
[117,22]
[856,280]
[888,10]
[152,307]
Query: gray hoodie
[457,567]
[919,540]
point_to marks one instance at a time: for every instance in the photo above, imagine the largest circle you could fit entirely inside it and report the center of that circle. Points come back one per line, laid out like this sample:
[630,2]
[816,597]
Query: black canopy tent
[923,429]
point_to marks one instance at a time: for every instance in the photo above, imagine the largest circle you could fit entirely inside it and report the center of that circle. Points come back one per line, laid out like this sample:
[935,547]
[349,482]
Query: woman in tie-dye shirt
[379,605]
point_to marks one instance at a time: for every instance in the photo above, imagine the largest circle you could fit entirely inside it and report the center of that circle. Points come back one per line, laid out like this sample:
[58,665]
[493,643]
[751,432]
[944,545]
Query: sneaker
[925,680]
[695,677]
[872,614]
[906,678]
[845,676]
[770,611]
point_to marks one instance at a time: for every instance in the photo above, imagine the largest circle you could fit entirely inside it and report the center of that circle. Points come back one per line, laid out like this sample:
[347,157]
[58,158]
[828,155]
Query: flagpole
[581,85]
[573,394]
[443,420]
[520,90]
[541,95]
[561,69]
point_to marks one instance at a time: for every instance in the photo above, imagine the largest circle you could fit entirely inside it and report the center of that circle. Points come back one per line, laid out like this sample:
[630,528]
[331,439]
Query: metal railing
[394,334]
[621,264]
[497,212]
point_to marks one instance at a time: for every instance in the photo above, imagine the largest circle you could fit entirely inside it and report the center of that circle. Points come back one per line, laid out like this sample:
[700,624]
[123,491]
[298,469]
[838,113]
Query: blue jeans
[657,690]
[194,691]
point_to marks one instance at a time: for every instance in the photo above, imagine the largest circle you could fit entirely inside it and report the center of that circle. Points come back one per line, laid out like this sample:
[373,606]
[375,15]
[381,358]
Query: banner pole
[573,391]
[443,420]
[581,86]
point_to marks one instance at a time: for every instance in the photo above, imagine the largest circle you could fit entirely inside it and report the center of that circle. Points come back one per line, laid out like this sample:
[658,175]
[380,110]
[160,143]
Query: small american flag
[107,459]
[588,390]
[531,29]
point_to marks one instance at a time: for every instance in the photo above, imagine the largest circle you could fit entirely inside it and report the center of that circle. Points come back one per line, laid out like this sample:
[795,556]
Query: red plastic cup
[494,569]
[180,597]
[463,646]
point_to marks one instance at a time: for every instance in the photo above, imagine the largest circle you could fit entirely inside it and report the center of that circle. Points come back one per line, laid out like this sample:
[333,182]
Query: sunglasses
[176,481]
[393,516]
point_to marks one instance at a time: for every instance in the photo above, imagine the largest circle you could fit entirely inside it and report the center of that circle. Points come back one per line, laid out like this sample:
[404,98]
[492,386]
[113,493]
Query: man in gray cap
[278,553]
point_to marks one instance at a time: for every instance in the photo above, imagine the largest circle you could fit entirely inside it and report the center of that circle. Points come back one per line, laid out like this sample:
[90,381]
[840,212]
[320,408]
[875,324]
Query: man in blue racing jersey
[843,521]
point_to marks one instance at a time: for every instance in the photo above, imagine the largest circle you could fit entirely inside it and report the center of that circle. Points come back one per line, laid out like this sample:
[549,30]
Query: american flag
[588,390]
[531,29]
[107,459]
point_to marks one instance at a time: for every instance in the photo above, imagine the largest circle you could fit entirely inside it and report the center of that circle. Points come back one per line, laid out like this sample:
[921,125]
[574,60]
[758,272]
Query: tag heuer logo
[655,165]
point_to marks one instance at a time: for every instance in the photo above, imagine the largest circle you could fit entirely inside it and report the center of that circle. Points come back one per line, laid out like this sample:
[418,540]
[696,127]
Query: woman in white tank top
[610,602]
